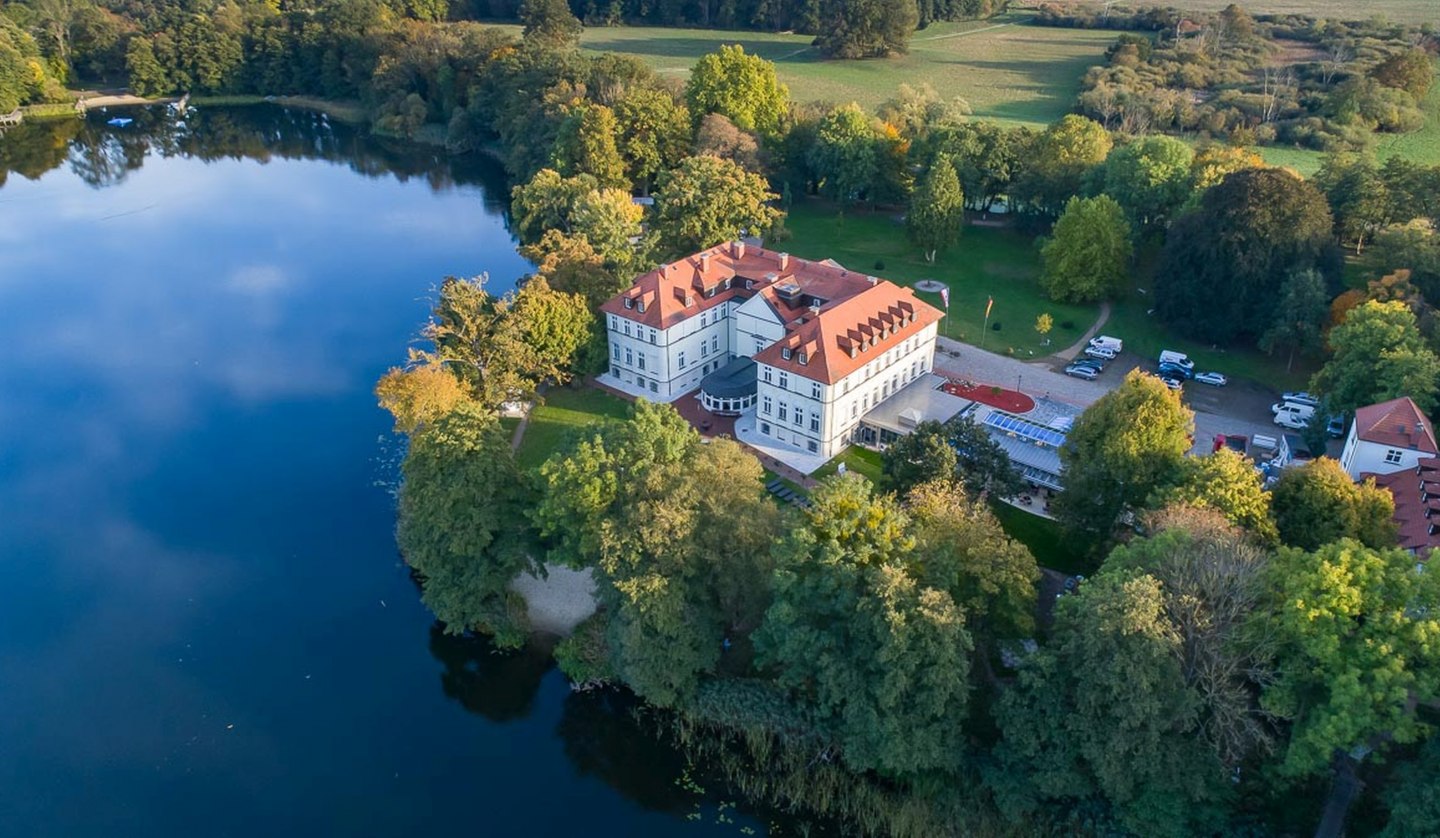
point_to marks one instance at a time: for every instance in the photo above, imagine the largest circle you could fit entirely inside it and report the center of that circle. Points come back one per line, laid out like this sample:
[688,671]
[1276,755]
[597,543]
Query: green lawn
[565,411]
[1005,69]
[856,459]
[1402,11]
[1044,538]
[1421,146]
[988,262]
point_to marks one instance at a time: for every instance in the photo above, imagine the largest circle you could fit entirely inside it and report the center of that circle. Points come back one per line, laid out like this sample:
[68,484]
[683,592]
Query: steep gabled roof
[1397,423]
[1417,505]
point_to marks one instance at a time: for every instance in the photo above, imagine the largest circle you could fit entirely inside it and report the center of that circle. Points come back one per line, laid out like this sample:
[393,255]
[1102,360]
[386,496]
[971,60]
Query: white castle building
[807,347]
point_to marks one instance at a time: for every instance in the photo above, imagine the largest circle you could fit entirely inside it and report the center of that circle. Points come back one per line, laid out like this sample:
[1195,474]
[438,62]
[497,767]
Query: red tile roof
[1397,423]
[827,310]
[1417,505]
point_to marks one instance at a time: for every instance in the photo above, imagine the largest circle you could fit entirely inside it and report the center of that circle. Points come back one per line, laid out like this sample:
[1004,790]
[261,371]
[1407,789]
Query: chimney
[705,263]
[784,261]
[737,248]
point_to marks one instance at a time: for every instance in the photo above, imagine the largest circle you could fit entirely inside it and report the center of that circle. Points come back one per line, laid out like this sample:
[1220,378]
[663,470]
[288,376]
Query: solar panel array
[1024,428]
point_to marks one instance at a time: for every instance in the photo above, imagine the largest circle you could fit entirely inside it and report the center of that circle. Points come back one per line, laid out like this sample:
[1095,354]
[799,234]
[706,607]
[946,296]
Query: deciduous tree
[654,133]
[460,508]
[1123,447]
[419,396]
[550,23]
[742,87]
[1227,483]
[1150,179]
[707,201]
[843,155]
[937,210]
[1058,161]
[1317,503]
[1356,633]
[587,145]
[867,28]
[1300,316]
[921,456]
[1087,256]
[1378,354]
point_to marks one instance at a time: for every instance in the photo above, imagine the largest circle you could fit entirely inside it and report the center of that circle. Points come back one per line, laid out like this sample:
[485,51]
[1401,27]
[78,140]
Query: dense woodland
[1236,649]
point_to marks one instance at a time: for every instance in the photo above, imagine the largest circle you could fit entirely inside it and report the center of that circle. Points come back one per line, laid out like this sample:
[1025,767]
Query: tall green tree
[147,77]
[1227,483]
[1378,354]
[587,145]
[882,659]
[1087,256]
[1317,503]
[460,508]
[1220,274]
[677,532]
[1126,445]
[742,87]
[419,396]
[1413,796]
[1359,197]
[577,206]
[867,28]
[1059,159]
[981,464]
[1105,709]
[1150,178]
[1358,639]
[654,134]
[844,155]
[550,23]
[1300,316]
[921,456]
[937,210]
[706,201]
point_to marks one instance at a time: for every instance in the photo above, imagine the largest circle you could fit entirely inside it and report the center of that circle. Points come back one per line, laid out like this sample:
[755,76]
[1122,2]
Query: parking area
[1240,407]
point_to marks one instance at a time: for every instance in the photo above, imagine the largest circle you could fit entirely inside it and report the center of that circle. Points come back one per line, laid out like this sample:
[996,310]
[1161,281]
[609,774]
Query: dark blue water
[204,625]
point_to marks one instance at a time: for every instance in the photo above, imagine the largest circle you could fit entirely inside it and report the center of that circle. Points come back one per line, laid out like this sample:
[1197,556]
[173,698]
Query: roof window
[785,352]
[629,302]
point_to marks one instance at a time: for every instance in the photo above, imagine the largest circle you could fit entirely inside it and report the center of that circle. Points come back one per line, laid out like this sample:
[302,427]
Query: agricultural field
[1005,69]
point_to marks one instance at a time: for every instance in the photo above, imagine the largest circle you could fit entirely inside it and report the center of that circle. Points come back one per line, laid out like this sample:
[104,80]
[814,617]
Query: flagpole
[986,328]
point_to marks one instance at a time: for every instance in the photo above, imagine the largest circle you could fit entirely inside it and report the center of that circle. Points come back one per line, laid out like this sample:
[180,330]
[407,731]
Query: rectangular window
[815,423]
[627,327]
[759,345]
[815,391]
[765,406]
[854,409]
[615,352]
[629,357]
[680,361]
[784,381]
[765,428]
[714,343]
[641,361]
[704,349]
[814,446]
[614,326]
[799,418]
[704,319]
[784,411]
[652,335]
[767,375]
[615,371]
[654,387]
[1392,456]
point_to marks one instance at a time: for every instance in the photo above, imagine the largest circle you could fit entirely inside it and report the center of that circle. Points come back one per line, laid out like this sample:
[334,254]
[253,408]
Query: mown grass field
[1402,11]
[1004,68]
[565,411]
[988,262]
[1421,146]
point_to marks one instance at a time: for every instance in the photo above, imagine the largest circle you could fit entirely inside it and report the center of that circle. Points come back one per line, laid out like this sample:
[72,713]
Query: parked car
[1115,345]
[1304,410]
[1084,371]
[1294,419]
[1335,426]
[1173,382]
[1300,397]
[1174,371]
[1179,359]
[1100,352]
[1212,378]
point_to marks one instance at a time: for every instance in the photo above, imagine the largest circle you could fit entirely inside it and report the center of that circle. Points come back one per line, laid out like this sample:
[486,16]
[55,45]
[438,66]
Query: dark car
[1175,371]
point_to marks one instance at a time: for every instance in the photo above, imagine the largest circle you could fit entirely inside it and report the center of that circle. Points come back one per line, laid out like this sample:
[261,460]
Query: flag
[989,305]
[945,297]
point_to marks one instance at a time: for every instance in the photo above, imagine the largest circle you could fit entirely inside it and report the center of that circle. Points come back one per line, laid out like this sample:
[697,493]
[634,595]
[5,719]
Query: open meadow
[1004,68]
[1401,11]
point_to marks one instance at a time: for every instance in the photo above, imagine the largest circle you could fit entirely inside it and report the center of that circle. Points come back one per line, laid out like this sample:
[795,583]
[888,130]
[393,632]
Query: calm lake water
[205,628]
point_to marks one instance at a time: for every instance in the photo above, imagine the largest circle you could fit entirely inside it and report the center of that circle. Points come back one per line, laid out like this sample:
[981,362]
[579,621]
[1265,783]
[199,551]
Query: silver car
[1212,378]
[1084,371]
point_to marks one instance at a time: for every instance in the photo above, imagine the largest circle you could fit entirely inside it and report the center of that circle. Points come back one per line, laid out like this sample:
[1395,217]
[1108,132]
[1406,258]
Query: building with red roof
[1388,437]
[1417,505]
[808,347]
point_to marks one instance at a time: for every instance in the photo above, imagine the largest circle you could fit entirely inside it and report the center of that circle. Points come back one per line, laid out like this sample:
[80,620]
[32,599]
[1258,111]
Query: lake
[205,627]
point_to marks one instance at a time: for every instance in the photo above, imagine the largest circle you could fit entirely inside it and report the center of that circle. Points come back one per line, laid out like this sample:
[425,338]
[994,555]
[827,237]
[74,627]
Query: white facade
[1360,457]
[668,363]
[821,418]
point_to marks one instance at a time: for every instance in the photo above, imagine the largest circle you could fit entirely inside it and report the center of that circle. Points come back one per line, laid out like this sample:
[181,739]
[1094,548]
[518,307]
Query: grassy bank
[988,262]
[1044,538]
[1401,11]
[564,412]
[857,460]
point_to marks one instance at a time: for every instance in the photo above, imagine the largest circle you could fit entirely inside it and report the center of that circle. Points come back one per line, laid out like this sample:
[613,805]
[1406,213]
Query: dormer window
[785,352]
[725,284]
[709,292]
[640,306]
[749,284]
[804,359]
[853,351]
[629,302]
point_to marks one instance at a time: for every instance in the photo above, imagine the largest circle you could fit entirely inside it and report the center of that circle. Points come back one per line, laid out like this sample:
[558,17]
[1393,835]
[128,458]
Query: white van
[1106,342]
[1179,359]
[1294,416]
